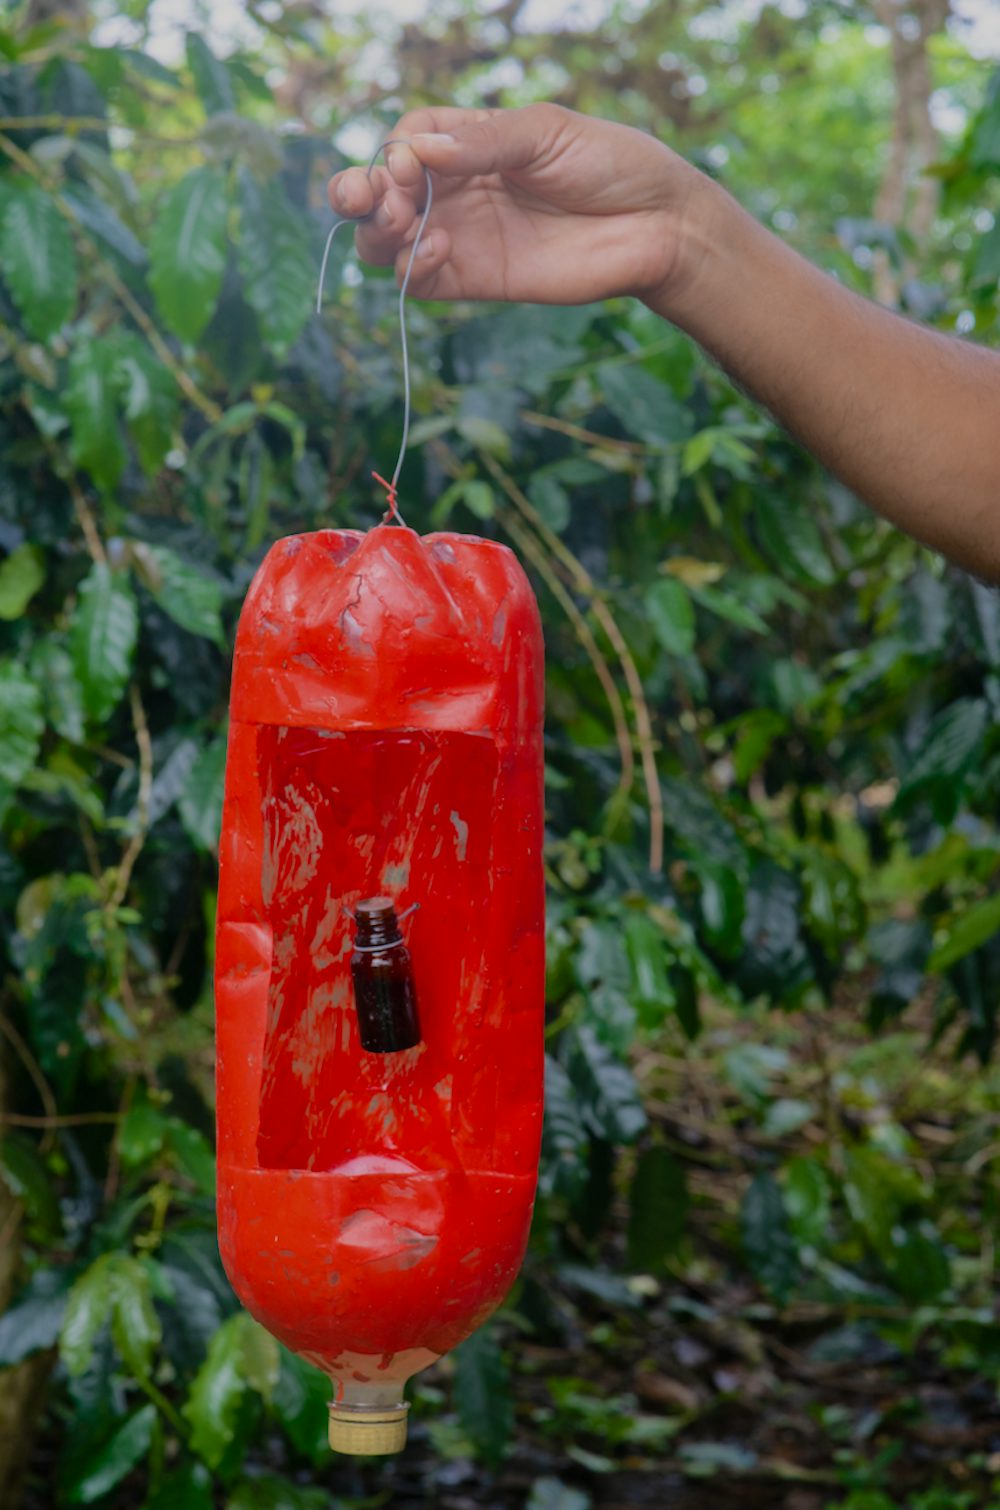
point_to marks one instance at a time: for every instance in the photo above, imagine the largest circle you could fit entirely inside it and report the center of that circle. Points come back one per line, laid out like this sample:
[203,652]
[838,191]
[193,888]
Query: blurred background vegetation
[763,1267]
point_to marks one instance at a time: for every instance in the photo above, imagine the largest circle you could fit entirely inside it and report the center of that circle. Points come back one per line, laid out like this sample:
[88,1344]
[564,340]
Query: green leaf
[91,400]
[697,823]
[919,1265]
[200,803]
[21,575]
[135,1325]
[279,275]
[807,1200]
[686,1005]
[551,499]
[241,1356]
[191,597]
[969,930]
[150,397]
[749,1068]
[644,406]
[115,1289]
[946,754]
[553,1494]
[141,1133]
[192,1154]
[484,434]
[758,731]
[658,1206]
[791,538]
[88,1309]
[671,614]
[986,603]
[610,1100]
[877,1191]
[217,1391]
[725,606]
[37,257]
[702,1460]
[986,132]
[786,1115]
[52,671]
[300,1399]
[564,1136]
[261,1360]
[102,639]
[478,498]
[211,77]
[98,1472]
[767,1238]
[722,905]
[796,687]
[23,1171]
[521,346]
[21,723]
[187,1488]
[986,267]
[483,1395]
[901,947]
[188,251]
[104,224]
[268,1492]
[32,1323]
[645,944]
[722,446]
[775,958]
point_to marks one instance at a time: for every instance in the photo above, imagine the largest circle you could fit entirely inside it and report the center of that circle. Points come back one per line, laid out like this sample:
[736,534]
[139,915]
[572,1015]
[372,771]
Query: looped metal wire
[374,948]
[391,487]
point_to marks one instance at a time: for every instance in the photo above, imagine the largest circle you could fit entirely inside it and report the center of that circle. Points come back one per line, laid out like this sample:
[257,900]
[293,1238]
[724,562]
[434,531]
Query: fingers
[431,260]
[429,127]
[493,141]
[455,143]
[352,194]
[392,225]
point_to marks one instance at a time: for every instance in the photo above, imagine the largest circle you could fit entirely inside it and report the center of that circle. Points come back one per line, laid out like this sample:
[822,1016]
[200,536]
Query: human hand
[541,205]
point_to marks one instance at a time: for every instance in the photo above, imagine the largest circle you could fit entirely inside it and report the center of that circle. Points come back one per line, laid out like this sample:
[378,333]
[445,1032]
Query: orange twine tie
[392,512]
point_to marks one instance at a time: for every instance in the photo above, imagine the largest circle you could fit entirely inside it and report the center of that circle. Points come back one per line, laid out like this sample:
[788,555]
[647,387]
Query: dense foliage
[772,784]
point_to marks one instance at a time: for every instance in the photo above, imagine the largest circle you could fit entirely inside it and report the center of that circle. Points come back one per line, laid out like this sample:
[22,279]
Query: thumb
[508,142]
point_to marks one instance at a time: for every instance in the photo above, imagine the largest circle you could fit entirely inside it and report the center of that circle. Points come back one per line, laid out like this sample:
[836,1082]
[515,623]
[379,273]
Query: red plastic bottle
[385,742]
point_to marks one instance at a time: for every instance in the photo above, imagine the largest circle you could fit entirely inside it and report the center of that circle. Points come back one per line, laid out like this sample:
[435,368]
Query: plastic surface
[385,739]
[366,1433]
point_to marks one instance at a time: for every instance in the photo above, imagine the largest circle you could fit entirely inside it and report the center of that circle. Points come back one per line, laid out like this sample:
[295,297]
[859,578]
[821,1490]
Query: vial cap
[375,907]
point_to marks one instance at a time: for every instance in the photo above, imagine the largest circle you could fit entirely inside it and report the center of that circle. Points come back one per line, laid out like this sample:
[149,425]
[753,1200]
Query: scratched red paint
[385,738]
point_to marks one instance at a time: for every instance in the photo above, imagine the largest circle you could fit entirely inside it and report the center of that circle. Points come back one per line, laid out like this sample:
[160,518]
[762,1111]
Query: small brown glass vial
[383,980]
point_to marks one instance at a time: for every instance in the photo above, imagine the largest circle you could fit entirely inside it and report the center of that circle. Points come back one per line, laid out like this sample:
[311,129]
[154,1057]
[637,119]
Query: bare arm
[908,418]
[548,206]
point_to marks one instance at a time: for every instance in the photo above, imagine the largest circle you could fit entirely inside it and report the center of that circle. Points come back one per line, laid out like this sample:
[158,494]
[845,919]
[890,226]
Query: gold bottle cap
[368,1431]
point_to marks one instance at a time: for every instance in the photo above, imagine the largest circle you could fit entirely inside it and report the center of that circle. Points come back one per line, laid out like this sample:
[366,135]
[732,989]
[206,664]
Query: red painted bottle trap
[380,1068]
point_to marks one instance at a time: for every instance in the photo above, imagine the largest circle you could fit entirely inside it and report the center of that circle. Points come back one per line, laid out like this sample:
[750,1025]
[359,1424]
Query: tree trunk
[907,198]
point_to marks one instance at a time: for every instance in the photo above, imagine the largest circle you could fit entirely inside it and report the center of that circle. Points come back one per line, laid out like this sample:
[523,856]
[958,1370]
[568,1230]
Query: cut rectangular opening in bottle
[409,814]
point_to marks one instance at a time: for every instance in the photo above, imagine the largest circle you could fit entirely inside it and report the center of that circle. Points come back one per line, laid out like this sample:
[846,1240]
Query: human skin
[547,206]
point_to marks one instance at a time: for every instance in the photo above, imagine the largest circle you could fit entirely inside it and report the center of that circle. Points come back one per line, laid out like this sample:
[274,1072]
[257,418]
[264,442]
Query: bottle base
[368,1430]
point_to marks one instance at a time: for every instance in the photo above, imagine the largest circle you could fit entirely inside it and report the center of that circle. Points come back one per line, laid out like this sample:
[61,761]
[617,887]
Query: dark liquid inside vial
[382,971]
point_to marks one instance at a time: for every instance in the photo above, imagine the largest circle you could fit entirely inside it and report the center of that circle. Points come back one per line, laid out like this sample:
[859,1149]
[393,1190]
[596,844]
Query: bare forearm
[908,418]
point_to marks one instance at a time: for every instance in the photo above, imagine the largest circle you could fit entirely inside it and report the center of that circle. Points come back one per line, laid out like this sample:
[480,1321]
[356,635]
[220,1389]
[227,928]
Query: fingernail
[425,249]
[383,215]
[431,136]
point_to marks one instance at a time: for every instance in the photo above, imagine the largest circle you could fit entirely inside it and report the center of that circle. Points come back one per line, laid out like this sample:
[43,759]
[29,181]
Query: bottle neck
[378,930]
